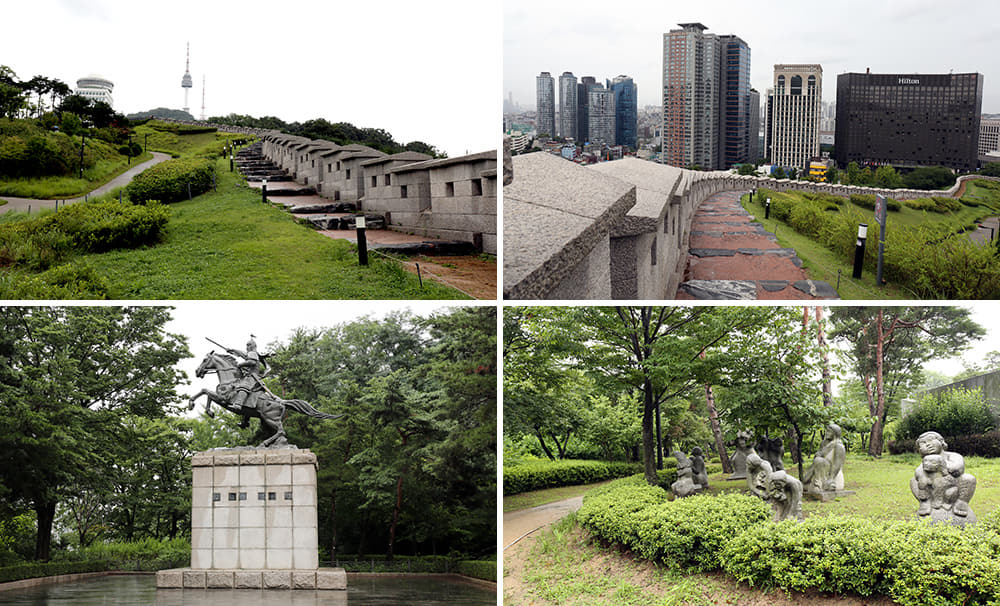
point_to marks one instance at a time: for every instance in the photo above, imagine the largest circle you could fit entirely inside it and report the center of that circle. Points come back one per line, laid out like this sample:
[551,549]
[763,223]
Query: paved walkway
[516,524]
[121,180]
[730,257]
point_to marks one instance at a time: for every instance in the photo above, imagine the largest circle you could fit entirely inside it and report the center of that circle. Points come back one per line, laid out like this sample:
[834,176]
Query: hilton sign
[909,81]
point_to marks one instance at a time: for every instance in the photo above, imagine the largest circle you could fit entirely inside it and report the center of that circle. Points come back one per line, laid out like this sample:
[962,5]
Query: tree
[853,174]
[772,379]
[929,177]
[886,176]
[746,169]
[991,169]
[779,173]
[832,174]
[888,346]
[67,378]
[424,148]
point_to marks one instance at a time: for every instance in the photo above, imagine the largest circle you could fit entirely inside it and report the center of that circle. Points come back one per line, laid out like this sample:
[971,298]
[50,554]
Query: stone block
[252,538]
[228,475]
[225,538]
[305,557]
[201,495]
[225,558]
[201,538]
[194,579]
[278,457]
[277,579]
[305,494]
[201,517]
[278,475]
[279,516]
[331,578]
[201,558]
[201,477]
[202,459]
[252,475]
[219,579]
[303,579]
[303,457]
[170,579]
[303,518]
[251,558]
[255,457]
[248,579]
[279,538]
[225,517]
[227,459]
[252,517]
[303,474]
[279,559]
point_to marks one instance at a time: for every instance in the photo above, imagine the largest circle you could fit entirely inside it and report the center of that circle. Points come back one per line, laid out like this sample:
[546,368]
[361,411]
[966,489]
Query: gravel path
[21,204]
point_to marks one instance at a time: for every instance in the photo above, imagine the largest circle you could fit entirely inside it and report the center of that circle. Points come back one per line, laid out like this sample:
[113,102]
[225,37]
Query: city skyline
[345,62]
[900,36]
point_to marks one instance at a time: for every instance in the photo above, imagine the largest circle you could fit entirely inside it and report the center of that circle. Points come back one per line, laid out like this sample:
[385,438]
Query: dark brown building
[909,120]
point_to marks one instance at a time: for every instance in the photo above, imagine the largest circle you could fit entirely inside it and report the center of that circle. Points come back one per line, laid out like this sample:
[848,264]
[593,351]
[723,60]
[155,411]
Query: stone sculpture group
[940,483]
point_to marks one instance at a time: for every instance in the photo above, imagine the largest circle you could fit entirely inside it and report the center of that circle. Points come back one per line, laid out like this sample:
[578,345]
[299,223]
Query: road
[21,204]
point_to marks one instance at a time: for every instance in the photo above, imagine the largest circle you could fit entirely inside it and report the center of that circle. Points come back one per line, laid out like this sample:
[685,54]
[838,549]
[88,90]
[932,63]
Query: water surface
[129,590]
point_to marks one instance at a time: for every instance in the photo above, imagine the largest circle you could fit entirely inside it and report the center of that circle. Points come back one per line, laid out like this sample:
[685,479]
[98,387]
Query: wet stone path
[730,257]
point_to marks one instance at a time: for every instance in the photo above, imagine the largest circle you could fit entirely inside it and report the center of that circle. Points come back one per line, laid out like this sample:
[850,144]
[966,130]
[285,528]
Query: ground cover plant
[865,544]
[958,269]
[225,245]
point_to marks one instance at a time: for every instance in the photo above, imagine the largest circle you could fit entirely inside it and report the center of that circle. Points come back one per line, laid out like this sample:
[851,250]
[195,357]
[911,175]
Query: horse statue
[270,409]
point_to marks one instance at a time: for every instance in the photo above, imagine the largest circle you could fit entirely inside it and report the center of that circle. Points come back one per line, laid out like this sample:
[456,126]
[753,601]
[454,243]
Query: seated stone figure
[698,472]
[940,483]
[685,485]
[785,495]
[825,472]
[739,458]
[772,450]
[758,472]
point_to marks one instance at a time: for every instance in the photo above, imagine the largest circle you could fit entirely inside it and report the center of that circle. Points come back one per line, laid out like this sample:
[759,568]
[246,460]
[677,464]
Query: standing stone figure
[739,458]
[785,493]
[826,472]
[758,472]
[685,485]
[700,475]
[772,450]
[940,483]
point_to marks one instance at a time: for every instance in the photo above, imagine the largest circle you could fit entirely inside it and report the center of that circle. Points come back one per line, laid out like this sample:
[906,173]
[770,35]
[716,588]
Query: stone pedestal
[830,495]
[253,522]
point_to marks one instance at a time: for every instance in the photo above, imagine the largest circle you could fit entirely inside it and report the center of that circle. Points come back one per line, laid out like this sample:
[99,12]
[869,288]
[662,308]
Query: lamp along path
[731,257]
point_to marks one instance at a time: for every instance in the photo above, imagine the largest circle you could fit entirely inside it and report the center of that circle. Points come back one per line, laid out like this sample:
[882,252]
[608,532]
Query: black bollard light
[263,191]
[767,209]
[359,224]
[859,250]
[230,161]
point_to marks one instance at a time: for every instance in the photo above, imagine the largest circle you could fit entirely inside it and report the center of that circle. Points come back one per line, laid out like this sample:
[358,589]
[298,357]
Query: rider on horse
[248,389]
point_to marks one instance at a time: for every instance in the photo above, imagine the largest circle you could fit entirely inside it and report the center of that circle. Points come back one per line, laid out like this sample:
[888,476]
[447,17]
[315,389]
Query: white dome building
[96,88]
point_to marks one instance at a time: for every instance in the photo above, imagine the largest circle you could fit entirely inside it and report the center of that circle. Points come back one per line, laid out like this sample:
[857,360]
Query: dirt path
[731,257]
[517,524]
[22,204]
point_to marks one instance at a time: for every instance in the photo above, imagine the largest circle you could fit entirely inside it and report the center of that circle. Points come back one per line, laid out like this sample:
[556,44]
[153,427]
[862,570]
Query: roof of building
[441,162]
[407,156]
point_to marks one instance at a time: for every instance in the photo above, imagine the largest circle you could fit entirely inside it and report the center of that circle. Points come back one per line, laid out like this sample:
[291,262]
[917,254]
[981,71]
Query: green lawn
[52,188]
[228,245]
[181,144]
[564,565]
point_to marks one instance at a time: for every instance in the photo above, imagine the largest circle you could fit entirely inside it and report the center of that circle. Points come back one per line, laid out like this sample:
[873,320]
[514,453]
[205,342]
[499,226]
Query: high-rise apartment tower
[567,106]
[626,110]
[545,121]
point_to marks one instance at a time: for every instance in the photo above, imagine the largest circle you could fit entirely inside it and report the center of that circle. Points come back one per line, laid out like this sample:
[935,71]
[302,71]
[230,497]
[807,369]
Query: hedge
[535,475]
[689,532]
[478,569]
[48,569]
[980,444]
[913,562]
[958,269]
[169,181]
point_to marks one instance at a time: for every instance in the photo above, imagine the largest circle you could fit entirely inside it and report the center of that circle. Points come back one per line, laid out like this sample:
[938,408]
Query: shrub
[952,413]
[35,570]
[979,444]
[144,555]
[168,182]
[478,569]
[534,475]
[929,177]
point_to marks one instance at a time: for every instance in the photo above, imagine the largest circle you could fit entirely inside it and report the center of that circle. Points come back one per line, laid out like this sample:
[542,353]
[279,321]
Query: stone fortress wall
[619,229]
[449,198]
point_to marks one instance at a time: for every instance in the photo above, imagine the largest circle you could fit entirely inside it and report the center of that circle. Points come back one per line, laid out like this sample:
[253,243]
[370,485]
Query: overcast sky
[601,39]
[231,323]
[421,70]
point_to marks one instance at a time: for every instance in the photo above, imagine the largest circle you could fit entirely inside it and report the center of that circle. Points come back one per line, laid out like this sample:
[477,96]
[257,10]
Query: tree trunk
[659,440]
[333,525]
[798,447]
[541,440]
[399,505]
[827,389]
[875,443]
[648,441]
[713,421]
[46,512]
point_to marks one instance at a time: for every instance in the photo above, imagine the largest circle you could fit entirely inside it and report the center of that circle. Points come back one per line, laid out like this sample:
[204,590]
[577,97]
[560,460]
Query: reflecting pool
[365,591]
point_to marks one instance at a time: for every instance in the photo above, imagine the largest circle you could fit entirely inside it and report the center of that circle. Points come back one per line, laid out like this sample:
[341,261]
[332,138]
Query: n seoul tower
[186,83]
